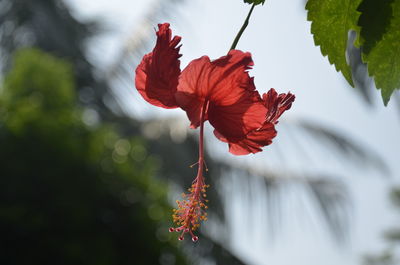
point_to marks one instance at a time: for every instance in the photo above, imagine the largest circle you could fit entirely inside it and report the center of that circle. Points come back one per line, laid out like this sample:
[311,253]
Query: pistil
[192,209]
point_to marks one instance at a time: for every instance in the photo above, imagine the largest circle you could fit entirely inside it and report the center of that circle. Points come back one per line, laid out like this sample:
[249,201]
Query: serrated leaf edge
[356,28]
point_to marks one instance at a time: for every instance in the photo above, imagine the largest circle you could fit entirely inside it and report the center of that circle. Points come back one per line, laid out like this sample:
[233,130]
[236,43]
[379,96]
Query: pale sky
[285,58]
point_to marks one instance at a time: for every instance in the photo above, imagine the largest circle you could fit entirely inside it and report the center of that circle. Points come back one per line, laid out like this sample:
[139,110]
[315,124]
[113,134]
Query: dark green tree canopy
[71,193]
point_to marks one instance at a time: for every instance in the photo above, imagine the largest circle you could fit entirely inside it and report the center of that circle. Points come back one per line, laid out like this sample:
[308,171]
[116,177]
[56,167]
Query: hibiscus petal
[229,80]
[158,73]
[277,104]
[236,120]
[252,142]
[223,82]
[242,125]
[192,91]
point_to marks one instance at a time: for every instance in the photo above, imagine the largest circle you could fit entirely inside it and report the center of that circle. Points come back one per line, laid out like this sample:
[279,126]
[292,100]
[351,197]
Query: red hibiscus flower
[220,91]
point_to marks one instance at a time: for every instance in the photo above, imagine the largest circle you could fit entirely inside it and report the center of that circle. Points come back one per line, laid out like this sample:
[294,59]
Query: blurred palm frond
[326,190]
[347,148]
[328,194]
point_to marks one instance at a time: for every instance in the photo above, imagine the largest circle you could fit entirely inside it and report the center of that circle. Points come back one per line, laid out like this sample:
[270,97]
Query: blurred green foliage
[390,256]
[73,190]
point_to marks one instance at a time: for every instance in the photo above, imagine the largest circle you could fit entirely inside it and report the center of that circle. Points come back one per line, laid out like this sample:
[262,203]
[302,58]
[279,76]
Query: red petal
[252,142]
[242,125]
[190,95]
[157,74]
[277,105]
[223,82]
[230,80]
[237,120]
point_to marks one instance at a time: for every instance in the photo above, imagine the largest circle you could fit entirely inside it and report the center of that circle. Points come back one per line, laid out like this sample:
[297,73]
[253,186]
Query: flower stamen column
[191,210]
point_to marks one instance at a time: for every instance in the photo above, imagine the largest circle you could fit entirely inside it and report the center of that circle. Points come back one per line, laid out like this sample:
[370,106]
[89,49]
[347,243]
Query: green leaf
[382,49]
[330,25]
[256,2]
[374,22]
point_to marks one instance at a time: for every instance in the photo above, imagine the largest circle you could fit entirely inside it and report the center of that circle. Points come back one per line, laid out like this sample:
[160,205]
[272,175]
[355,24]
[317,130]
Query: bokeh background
[89,171]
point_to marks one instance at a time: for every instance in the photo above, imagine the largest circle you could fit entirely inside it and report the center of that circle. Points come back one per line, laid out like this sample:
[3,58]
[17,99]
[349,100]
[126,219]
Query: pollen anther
[191,210]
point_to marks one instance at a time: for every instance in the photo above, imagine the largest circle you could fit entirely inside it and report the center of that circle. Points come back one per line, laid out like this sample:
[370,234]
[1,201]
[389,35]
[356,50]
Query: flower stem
[201,161]
[244,26]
